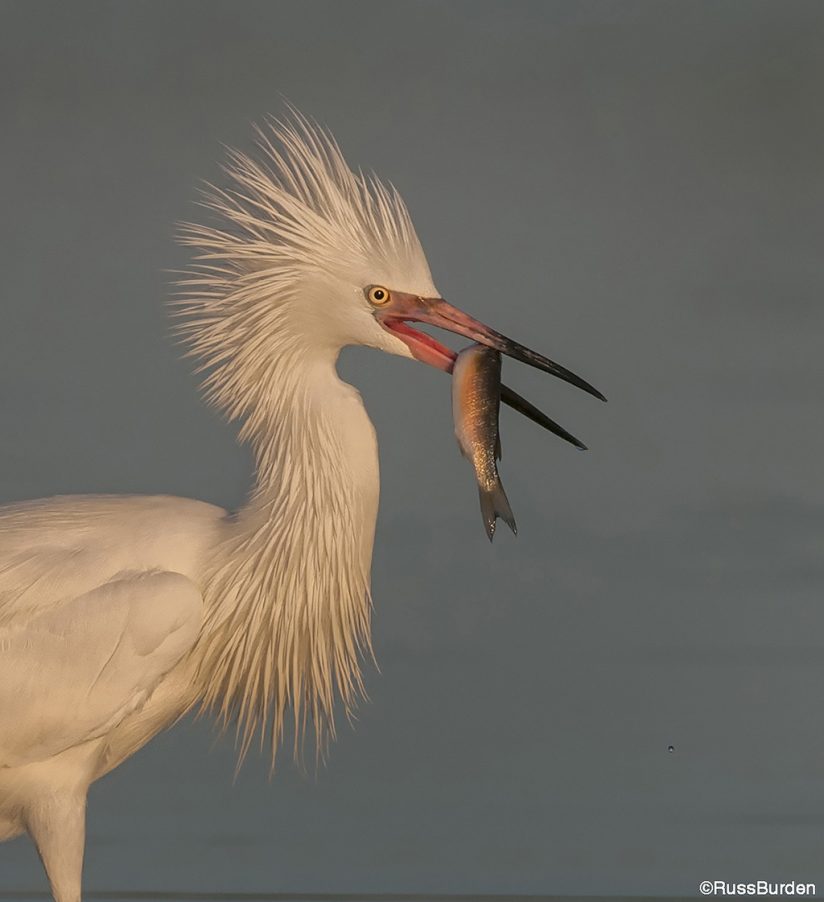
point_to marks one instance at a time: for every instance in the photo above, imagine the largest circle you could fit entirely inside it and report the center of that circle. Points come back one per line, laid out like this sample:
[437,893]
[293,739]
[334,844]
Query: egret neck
[287,594]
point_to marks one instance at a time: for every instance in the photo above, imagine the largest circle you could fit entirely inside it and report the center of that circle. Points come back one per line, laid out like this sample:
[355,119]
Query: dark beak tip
[591,390]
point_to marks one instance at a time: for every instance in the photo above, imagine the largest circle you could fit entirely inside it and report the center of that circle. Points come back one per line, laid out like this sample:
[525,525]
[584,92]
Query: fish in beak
[476,398]
[399,308]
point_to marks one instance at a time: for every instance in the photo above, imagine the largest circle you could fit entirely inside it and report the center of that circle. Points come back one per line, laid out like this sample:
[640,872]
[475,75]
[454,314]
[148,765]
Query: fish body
[476,400]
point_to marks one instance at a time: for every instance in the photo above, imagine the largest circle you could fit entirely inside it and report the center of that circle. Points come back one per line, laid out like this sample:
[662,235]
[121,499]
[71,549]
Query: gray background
[633,188]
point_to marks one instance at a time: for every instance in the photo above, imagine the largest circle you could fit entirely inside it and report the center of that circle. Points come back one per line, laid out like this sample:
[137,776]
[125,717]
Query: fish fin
[495,504]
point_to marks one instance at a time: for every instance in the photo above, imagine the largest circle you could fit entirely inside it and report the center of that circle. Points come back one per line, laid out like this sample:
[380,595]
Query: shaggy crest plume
[294,212]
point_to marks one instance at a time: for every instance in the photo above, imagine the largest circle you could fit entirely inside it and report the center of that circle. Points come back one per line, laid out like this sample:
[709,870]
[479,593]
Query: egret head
[308,257]
[288,267]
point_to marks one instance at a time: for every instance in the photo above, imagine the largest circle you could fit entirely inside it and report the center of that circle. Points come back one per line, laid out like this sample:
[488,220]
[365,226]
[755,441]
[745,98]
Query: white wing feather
[56,549]
[98,601]
[73,674]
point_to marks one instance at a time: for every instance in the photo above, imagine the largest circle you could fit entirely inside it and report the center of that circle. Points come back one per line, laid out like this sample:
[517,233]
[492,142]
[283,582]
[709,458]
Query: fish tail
[495,504]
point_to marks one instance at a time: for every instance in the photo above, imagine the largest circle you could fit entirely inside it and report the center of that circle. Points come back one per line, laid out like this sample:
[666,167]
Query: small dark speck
[670,749]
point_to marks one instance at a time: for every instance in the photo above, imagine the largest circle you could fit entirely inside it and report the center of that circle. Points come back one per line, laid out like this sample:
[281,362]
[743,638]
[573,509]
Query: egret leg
[57,824]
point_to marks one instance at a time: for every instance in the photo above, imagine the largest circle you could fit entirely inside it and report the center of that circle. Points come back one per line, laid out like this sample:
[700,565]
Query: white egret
[118,614]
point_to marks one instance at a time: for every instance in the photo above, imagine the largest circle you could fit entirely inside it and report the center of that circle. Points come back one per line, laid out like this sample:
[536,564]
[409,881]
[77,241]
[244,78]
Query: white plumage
[119,614]
[100,602]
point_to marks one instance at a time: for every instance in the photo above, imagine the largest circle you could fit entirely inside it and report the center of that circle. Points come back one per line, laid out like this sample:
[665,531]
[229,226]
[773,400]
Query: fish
[476,400]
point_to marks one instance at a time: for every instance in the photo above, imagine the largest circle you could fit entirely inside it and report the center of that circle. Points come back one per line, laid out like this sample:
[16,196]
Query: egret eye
[378,296]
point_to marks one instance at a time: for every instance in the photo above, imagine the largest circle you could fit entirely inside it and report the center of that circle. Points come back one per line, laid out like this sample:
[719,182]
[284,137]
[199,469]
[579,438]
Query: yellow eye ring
[378,296]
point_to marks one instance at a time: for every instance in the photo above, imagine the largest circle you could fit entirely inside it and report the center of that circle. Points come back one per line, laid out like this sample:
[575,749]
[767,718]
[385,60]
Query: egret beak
[405,308]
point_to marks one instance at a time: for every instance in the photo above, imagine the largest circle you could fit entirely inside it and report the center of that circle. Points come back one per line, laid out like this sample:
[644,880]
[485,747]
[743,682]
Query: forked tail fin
[494,504]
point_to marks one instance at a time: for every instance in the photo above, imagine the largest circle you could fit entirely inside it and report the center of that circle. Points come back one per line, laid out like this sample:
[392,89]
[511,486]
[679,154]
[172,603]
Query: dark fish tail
[495,504]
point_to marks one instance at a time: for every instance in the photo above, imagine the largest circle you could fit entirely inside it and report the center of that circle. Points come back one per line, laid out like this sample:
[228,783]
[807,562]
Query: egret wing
[55,550]
[70,674]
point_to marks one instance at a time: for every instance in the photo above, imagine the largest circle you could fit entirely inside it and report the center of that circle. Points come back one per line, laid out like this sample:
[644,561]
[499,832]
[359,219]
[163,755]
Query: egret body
[118,614]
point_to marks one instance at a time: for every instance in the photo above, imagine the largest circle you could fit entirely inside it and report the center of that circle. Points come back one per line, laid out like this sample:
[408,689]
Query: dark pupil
[378,295]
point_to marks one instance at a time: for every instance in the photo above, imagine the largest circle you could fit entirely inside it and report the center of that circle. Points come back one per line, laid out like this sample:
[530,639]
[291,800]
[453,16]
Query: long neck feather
[287,593]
